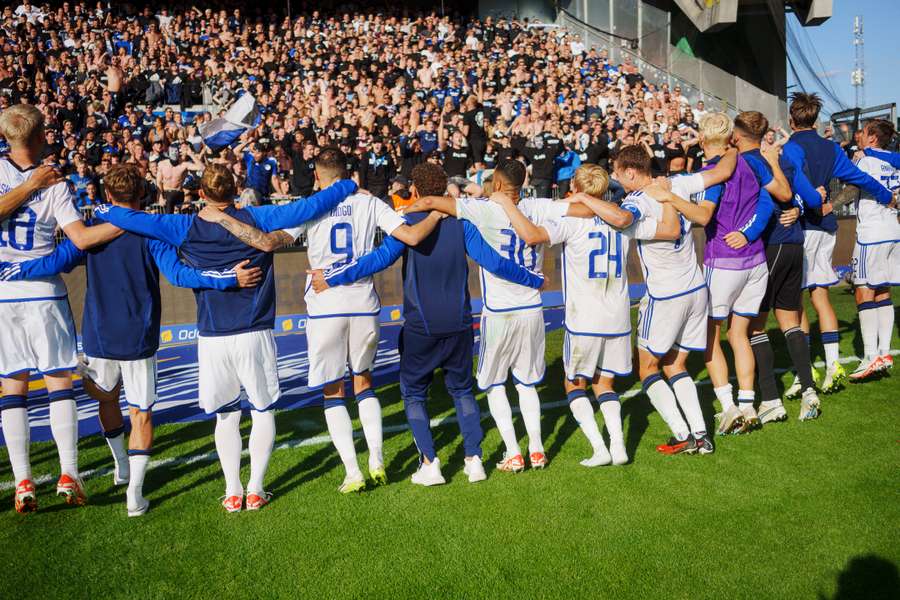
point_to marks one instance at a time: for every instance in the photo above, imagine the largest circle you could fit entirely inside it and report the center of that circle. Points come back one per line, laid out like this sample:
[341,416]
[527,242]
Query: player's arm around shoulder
[181,275]
[43,177]
[171,229]
[445,204]
[585,206]
[530,233]
[250,235]
[301,210]
[396,226]
[64,258]
[482,253]
[668,226]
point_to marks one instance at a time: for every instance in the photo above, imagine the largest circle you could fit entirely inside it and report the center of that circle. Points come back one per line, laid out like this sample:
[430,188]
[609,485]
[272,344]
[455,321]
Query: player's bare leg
[113,426]
[580,404]
[663,400]
[717,367]
[17,433]
[370,417]
[744,367]
[64,427]
[885,326]
[611,408]
[340,428]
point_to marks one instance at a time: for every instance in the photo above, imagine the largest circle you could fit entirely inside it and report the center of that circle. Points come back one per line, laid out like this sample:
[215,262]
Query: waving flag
[225,130]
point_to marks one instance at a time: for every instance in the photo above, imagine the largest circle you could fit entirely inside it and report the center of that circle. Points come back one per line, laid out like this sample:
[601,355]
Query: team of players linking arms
[769,234]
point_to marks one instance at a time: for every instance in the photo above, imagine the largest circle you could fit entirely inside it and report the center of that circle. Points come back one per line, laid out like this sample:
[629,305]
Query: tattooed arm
[250,235]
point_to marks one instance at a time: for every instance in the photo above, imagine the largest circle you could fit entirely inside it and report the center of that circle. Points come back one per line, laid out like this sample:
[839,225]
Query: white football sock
[120,455]
[612,418]
[746,396]
[340,428]
[725,395]
[138,465]
[885,328]
[262,438]
[868,327]
[584,414]
[663,400]
[686,392]
[228,447]
[832,354]
[498,404]
[530,406]
[64,426]
[17,433]
[370,418]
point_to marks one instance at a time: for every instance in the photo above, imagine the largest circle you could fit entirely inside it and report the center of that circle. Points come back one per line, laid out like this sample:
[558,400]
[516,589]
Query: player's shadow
[868,577]
[635,412]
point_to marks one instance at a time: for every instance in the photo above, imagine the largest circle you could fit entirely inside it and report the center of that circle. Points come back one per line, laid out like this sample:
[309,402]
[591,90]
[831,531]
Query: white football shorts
[138,378]
[334,343]
[511,342]
[739,292]
[228,362]
[37,336]
[678,322]
[818,249]
[876,265]
[589,355]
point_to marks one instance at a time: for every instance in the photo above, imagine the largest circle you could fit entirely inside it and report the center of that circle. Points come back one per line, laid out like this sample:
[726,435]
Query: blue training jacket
[205,245]
[823,160]
[436,274]
[121,303]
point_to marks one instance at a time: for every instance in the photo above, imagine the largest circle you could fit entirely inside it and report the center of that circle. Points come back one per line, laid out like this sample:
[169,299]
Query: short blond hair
[218,184]
[716,128]
[20,123]
[593,180]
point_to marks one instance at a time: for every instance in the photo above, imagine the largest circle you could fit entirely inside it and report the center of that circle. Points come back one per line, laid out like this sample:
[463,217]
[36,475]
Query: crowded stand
[391,90]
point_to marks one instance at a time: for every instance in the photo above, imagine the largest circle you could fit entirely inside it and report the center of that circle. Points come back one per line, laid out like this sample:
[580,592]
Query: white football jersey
[29,232]
[340,237]
[594,275]
[499,295]
[876,222]
[670,268]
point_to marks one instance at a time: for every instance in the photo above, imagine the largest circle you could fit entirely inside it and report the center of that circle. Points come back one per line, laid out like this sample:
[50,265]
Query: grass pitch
[797,510]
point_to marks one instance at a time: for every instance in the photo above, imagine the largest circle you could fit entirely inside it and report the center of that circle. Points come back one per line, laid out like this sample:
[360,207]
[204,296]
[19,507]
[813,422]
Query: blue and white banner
[225,130]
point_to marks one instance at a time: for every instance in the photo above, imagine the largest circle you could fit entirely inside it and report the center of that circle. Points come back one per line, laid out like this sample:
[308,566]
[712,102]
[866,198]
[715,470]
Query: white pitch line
[324,439]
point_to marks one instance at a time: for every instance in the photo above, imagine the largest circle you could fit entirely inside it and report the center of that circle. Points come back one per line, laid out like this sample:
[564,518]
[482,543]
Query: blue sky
[833,41]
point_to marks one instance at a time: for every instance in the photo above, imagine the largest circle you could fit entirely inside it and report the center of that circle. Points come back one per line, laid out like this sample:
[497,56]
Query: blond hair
[593,180]
[217,183]
[123,183]
[21,123]
[716,128]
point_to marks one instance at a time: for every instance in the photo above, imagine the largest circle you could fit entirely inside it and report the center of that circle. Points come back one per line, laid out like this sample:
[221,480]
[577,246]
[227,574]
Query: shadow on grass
[868,577]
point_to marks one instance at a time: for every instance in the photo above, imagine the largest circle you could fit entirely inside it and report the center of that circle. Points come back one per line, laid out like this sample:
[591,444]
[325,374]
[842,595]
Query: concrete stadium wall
[179,306]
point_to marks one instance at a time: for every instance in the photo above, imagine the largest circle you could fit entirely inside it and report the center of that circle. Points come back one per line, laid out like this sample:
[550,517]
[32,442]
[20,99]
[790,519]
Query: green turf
[797,510]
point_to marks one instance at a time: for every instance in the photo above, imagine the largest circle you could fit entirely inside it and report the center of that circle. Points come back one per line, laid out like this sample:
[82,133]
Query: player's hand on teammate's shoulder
[500,198]
[663,182]
[318,283]
[247,277]
[658,193]
[736,240]
[770,153]
[790,216]
[576,197]
[45,176]
[208,213]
